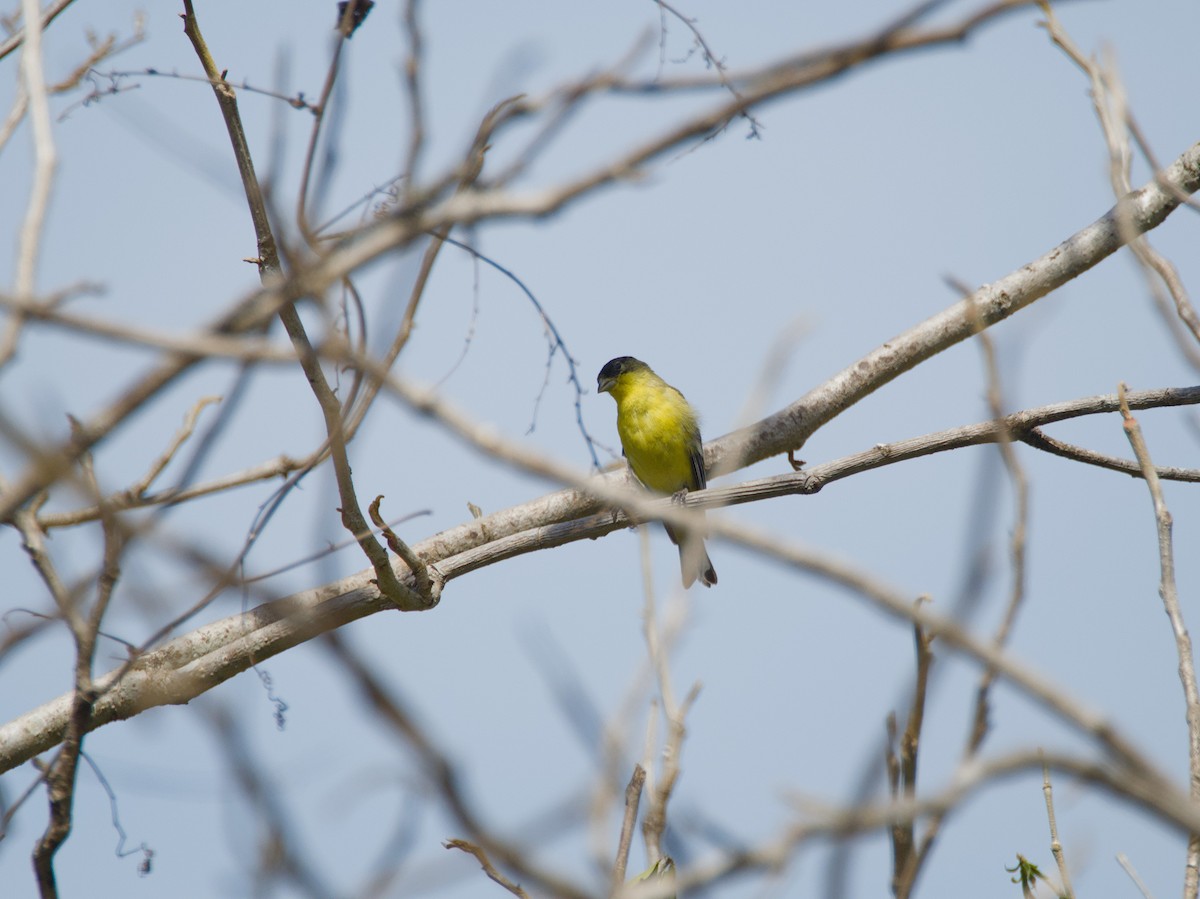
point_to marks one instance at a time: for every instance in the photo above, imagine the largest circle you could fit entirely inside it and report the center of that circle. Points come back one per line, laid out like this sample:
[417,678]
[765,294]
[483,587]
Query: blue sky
[835,230]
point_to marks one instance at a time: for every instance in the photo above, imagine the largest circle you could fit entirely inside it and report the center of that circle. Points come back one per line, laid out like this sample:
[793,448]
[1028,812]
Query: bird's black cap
[614,368]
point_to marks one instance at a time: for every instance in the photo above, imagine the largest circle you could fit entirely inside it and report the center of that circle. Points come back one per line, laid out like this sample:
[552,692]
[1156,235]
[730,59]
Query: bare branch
[865,818]
[283,857]
[790,427]
[116,79]
[633,797]
[1109,102]
[202,345]
[1056,848]
[488,868]
[319,115]
[40,22]
[1020,486]
[198,661]
[654,821]
[126,499]
[443,776]
[902,770]
[45,155]
[61,774]
[1183,642]
[981,719]
[420,218]
[714,62]
[783,431]
[1125,863]
[352,518]
[194,663]
[1038,439]
[412,83]
[414,562]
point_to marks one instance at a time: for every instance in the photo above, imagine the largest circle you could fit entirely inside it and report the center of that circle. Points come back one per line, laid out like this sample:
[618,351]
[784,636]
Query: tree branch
[196,662]
[1169,592]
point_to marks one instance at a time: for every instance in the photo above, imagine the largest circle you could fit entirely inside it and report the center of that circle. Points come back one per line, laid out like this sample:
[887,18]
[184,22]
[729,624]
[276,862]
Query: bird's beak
[605,385]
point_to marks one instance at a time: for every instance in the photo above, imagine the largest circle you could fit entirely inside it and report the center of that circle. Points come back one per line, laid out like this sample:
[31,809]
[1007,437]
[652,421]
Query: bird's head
[615,369]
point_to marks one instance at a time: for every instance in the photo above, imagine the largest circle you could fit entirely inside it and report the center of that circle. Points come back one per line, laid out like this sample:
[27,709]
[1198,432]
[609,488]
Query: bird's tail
[694,563]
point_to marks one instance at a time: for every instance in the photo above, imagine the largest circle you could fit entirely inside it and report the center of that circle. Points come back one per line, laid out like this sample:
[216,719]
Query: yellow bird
[661,439]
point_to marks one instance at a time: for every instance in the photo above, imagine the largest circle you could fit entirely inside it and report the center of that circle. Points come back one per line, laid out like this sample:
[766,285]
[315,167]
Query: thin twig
[415,563]
[659,789]
[296,101]
[45,155]
[1039,439]
[781,432]
[654,822]
[554,338]
[285,859]
[714,62]
[320,113]
[633,797]
[442,774]
[488,868]
[617,728]
[268,253]
[352,518]
[980,719]
[1109,102]
[902,769]
[1124,862]
[248,348]
[147,853]
[860,818]
[1020,487]
[272,469]
[16,115]
[41,20]
[471,168]
[61,775]
[412,84]
[1056,848]
[1183,642]
[7,812]
[553,520]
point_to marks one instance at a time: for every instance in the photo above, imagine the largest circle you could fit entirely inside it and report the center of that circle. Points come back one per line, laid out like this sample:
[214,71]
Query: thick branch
[1136,213]
[194,663]
[1139,211]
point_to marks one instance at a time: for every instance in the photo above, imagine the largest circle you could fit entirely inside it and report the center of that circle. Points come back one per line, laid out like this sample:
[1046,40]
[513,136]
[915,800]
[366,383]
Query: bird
[660,437]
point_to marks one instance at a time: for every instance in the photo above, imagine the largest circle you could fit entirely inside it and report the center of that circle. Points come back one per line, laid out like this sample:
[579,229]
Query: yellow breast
[659,433]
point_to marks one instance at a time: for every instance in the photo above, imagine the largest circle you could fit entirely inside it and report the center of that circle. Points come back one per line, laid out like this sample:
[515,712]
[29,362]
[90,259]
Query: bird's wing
[696,457]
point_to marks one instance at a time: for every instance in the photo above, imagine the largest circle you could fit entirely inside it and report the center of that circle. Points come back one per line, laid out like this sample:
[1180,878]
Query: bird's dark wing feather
[697,459]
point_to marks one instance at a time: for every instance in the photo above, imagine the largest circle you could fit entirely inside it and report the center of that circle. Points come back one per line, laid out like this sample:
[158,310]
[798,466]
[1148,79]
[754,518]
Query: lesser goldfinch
[661,439]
